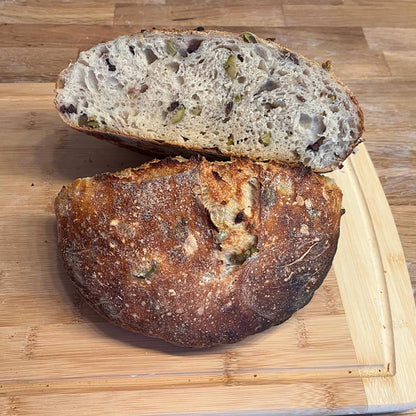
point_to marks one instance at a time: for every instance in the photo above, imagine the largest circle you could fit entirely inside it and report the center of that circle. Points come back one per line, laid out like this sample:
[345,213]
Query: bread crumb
[300,201]
[304,229]
[200,311]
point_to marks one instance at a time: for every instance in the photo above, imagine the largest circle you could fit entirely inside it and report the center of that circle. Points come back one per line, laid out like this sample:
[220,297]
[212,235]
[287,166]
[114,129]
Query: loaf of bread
[199,253]
[214,93]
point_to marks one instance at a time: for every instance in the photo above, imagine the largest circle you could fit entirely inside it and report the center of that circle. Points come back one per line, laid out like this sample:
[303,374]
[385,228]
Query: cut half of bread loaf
[199,253]
[211,92]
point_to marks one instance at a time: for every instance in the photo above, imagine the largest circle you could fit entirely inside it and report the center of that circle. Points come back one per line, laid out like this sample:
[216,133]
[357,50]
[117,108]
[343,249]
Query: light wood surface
[372,45]
[352,348]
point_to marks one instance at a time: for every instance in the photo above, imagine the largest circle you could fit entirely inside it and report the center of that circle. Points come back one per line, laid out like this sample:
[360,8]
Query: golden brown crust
[155,147]
[199,253]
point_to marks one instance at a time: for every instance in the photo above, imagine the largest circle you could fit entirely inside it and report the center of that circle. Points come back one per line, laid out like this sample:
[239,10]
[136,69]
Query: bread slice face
[199,253]
[214,93]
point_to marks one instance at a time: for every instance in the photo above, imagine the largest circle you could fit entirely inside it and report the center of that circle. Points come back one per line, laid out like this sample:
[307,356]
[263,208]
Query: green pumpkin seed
[266,139]
[90,122]
[239,258]
[178,115]
[249,37]
[230,66]
[146,274]
[93,124]
[221,236]
[171,48]
[237,98]
[230,140]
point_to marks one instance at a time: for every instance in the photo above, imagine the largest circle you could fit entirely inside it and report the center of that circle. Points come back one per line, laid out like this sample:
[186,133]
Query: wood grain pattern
[391,39]
[371,42]
[47,345]
[400,64]
[177,13]
[25,62]
[49,11]
[380,13]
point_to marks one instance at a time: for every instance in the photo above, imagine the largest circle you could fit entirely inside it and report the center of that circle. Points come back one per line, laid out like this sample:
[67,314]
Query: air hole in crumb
[319,125]
[315,146]
[296,155]
[195,97]
[239,217]
[273,105]
[217,176]
[269,85]
[150,56]
[305,121]
[111,67]
[240,58]
[83,62]
[351,123]
[173,66]
[269,125]
[262,65]
[183,53]
[306,72]
[241,80]
[261,51]
[92,80]
[103,50]
[185,139]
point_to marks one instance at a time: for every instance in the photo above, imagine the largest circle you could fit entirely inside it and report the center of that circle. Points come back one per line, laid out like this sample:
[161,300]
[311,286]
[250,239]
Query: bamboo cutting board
[353,348]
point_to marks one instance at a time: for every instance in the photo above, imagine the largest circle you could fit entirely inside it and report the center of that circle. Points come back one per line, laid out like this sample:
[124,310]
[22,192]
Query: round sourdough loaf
[199,253]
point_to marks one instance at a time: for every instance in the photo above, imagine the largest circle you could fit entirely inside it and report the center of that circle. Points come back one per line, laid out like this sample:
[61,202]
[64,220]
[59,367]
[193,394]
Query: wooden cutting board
[353,348]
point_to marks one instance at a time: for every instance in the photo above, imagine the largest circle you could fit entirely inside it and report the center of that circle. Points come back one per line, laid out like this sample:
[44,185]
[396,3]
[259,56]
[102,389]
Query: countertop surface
[372,45]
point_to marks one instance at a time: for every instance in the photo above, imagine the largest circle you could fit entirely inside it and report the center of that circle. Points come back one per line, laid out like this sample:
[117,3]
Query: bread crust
[199,253]
[155,147]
